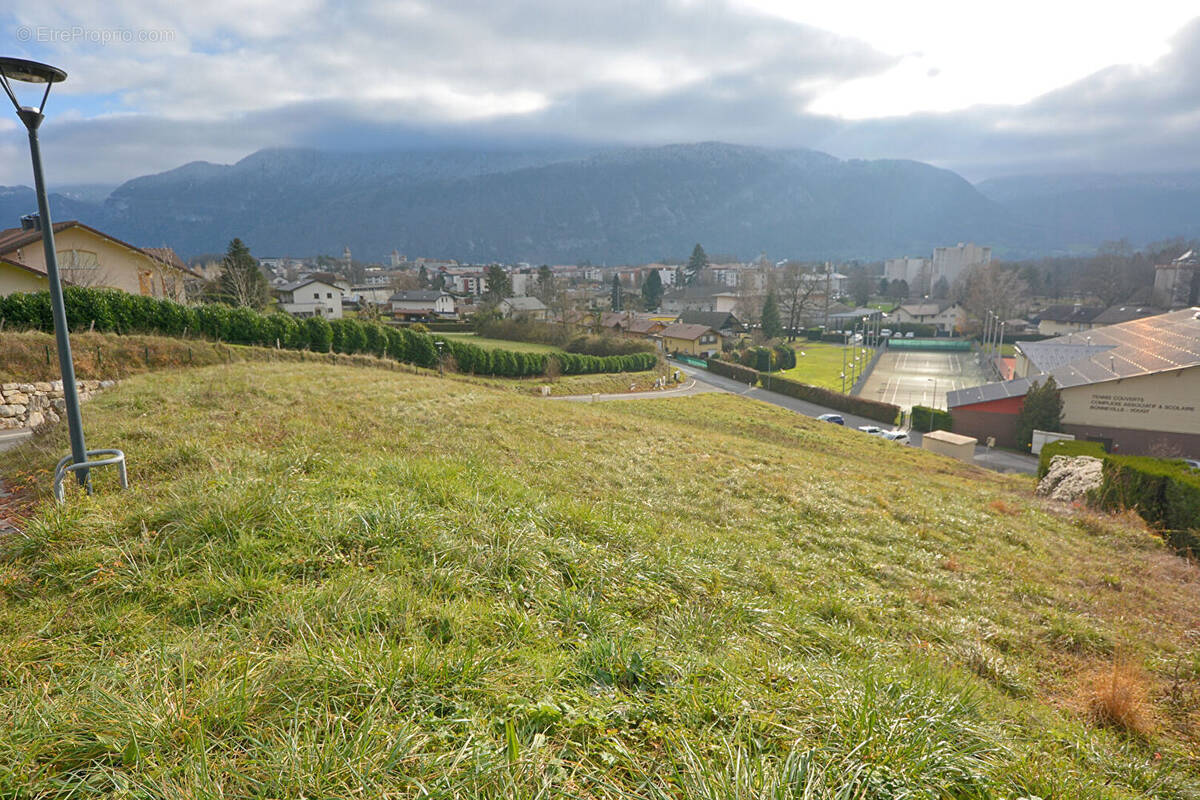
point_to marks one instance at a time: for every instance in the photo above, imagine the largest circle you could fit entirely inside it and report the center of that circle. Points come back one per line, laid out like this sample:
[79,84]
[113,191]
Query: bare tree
[985,288]
[796,292]
[1109,273]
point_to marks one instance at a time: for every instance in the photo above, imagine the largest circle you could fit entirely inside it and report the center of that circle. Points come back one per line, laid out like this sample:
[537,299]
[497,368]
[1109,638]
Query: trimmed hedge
[737,372]
[111,310]
[1166,493]
[871,409]
[927,419]
[1067,447]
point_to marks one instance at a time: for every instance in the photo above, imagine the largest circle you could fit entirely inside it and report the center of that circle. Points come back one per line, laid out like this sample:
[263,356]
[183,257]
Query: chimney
[31,222]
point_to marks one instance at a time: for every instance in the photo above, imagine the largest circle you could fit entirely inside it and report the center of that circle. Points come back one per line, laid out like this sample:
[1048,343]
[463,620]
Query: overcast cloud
[218,80]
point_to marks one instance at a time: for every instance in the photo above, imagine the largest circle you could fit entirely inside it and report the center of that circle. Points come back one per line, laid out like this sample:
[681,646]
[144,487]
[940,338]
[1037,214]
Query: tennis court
[910,378]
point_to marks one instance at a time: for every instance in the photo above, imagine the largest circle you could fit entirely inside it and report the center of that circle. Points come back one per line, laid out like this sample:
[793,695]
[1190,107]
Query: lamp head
[25,71]
[20,69]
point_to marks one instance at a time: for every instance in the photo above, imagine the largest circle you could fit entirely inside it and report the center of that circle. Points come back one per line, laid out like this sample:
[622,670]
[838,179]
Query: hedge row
[871,409]
[737,372]
[1166,493]
[110,310]
[927,419]
[514,364]
[1067,447]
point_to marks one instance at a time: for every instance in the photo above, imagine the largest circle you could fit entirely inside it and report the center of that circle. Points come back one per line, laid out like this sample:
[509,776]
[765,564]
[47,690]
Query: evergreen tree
[696,264]
[1042,410]
[423,277]
[499,285]
[617,291]
[652,290]
[242,283]
[772,328]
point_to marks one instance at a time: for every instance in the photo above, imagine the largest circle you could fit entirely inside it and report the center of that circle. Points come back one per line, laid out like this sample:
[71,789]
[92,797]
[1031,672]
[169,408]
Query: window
[316,295]
[79,259]
[329,295]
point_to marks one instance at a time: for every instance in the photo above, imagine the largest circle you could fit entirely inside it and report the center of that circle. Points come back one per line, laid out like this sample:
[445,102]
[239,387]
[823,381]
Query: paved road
[690,387]
[998,460]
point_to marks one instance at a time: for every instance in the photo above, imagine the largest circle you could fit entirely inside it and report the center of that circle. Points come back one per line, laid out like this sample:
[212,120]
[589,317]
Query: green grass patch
[820,364]
[501,344]
[334,582]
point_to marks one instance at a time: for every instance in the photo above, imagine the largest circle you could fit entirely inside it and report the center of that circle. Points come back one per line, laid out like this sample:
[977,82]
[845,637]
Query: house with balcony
[311,297]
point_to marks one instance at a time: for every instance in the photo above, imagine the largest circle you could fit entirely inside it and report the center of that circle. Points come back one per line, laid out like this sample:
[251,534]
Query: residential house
[423,305]
[947,317]
[311,297]
[723,322]
[693,340]
[628,323]
[524,308]
[1060,319]
[89,257]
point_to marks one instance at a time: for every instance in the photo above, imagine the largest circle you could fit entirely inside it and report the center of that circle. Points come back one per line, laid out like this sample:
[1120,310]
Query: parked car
[895,436]
[874,430]
[886,333]
[836,419]
[1194,463]
[909,335]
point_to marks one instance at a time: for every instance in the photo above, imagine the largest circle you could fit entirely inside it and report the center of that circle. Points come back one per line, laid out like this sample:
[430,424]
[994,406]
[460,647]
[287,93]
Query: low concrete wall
[28,405]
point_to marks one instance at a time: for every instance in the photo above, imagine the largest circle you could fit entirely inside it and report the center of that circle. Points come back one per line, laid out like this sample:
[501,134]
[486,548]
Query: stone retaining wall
[28,405]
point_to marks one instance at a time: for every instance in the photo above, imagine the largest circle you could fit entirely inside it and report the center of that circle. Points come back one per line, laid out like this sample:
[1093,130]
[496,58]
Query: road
[704,381]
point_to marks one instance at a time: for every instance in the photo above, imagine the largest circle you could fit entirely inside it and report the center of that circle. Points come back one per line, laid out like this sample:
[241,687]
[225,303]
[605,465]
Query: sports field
[921,378]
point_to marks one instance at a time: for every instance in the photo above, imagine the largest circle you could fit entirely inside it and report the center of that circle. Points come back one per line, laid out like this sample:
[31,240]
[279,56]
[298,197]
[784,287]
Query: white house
[528,307]
[948,318]
[423,304]
[311,298]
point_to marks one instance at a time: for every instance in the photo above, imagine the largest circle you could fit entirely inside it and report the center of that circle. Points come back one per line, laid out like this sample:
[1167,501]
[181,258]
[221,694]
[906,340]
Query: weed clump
[1118,698]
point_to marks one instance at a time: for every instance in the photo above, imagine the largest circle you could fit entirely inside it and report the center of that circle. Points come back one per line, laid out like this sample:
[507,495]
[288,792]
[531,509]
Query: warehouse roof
[1130,349]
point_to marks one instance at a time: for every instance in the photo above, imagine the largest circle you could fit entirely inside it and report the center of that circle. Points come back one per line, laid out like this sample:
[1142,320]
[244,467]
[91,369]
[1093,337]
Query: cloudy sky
[1013,88]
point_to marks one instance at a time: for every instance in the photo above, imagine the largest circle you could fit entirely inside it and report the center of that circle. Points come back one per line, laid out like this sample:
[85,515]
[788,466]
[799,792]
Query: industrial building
[1134,386]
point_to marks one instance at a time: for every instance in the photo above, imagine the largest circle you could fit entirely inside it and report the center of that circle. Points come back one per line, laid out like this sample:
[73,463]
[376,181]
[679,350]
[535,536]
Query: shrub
[930,419]
[735,371]
[113,310]
[1066,447]
[1165,493]
[863,407]
[318,334]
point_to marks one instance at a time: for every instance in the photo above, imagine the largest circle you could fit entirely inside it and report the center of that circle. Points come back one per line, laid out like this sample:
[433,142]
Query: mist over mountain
[1085,209]
[618,205]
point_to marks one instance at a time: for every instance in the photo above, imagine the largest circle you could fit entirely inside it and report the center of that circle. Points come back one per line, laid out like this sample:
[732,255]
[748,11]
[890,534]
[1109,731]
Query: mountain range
[618,205]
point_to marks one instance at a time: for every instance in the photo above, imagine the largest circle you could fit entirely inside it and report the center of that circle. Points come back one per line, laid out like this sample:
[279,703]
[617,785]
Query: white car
[895,436]
[874,430]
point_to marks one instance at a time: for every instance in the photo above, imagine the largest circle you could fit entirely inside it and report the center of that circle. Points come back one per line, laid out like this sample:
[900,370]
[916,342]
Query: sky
[1013,88]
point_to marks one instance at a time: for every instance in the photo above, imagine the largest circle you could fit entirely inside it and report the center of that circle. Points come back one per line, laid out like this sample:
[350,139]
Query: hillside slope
[333,582]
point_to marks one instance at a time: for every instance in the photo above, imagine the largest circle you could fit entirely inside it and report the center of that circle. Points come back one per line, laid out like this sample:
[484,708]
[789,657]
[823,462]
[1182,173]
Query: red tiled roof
[15,238]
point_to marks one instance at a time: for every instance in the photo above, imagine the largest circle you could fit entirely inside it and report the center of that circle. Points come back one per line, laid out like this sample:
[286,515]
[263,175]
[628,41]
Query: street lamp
[934,398]
[18,69]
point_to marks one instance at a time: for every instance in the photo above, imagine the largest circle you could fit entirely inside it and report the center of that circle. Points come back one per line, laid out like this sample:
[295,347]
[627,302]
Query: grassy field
[336,582]
[502,344]
[821,364]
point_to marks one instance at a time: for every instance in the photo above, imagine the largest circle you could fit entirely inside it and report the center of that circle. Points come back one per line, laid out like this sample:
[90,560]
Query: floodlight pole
[32,118]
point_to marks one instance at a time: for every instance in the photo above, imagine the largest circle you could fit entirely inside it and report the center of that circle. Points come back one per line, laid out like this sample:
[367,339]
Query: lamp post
[934,404]
[18,69]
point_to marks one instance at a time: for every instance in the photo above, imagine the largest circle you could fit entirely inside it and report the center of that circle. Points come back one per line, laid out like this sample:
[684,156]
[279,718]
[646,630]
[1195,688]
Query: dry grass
[1118,697]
